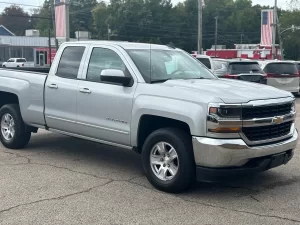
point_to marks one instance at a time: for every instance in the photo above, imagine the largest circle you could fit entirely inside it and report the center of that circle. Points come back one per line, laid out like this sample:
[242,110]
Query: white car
[15,62]
[281,74]
[207,61]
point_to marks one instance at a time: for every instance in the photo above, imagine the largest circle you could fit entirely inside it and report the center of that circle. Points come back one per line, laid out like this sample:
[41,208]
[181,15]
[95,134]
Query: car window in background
[244,67]
[205,61]
[281,68]
[21,60]
[298,66]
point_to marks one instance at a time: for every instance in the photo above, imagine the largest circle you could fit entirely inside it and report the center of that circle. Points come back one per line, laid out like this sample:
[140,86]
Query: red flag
[266,27]
[60,18]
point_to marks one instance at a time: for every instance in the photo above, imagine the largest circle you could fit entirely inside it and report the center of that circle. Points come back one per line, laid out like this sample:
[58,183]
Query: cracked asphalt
[64,180]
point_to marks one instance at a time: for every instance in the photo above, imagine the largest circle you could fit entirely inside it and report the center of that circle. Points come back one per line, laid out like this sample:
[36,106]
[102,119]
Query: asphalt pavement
[64,180]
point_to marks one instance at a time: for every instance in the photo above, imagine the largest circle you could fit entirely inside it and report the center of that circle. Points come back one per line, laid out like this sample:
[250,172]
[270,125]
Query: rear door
[283,75]
[104,109]
[61,89]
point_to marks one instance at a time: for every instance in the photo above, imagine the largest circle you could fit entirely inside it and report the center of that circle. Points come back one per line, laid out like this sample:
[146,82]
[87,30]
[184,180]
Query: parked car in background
[246,70]
[15,62]
[207,61]
[282,74]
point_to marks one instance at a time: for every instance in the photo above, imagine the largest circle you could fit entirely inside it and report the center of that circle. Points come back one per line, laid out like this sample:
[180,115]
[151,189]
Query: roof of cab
[125,45]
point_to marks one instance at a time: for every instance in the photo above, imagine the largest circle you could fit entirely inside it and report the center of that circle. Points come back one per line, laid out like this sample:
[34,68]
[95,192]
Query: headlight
[226,112]
[224,119]
[293,108]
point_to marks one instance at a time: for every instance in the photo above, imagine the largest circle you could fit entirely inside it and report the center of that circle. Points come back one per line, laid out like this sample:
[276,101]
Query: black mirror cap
[124,81]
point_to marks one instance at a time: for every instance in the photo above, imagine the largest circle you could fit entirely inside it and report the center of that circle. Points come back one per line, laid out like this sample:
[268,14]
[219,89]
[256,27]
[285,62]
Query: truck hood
[229,91]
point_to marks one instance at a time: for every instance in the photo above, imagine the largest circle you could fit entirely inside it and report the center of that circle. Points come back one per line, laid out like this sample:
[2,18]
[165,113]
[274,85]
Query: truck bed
[28,86]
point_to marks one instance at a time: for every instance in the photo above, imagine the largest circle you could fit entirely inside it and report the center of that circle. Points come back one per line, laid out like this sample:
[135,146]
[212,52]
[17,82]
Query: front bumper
[225,153]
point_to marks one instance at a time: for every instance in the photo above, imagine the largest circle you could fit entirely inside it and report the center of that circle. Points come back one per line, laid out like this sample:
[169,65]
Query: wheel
[168,160]
[3,66]
[13,133]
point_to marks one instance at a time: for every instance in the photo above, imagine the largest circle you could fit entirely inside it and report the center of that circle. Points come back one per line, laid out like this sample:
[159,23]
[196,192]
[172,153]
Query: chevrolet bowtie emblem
[277,120]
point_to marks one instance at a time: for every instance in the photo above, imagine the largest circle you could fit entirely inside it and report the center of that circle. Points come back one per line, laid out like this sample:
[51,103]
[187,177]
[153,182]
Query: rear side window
[281,68]
[205,61]
[70,61]
[21,60]
[298,66]
[243,67]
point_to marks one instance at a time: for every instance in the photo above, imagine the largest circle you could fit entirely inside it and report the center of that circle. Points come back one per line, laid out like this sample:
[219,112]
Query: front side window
[70,62]
[103,58]
[159,65]
[11,60]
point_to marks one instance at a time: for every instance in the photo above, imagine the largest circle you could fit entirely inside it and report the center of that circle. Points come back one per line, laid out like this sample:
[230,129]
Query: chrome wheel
[164,161]
[7,127]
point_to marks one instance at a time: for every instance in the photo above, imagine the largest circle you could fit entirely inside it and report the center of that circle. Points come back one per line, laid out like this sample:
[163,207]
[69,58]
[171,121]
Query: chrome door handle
[85,90]
[53,86]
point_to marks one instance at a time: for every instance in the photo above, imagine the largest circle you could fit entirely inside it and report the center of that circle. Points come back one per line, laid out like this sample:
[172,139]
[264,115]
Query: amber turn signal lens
[213,110]
[225,130]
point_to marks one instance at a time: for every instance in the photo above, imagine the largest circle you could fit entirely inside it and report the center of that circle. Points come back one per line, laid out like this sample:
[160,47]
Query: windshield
[281,68]
[243,67]
[205,61]
[168,64]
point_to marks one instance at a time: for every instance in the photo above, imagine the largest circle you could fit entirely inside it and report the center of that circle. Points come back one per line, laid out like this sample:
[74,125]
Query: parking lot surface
[64,180]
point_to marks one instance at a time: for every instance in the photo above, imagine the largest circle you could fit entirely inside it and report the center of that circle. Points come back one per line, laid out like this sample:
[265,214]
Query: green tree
[15,19]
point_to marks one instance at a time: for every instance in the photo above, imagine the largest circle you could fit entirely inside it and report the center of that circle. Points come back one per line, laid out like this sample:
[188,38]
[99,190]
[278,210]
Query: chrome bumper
[218,153]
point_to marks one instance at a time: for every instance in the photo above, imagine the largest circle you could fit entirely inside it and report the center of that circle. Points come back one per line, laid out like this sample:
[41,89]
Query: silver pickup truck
[158,101]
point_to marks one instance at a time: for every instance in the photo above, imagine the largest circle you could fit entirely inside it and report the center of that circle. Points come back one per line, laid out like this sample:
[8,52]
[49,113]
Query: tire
[186,169]
[18,137]
[3,66]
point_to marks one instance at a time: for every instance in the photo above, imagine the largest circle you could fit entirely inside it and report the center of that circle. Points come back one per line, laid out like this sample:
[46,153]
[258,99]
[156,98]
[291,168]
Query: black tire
[182,143]
[21,136]
[3,66]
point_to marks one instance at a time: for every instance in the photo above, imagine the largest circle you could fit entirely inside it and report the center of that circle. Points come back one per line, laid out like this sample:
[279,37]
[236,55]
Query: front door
[61,90]
[103,109]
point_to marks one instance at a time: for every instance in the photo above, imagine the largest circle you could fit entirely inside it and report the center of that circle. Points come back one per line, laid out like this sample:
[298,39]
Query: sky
[281,3]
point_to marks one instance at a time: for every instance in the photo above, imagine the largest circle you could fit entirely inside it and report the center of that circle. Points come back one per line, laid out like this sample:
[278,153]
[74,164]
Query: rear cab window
[205,61]
[244,67]
[70,60]
[281,68]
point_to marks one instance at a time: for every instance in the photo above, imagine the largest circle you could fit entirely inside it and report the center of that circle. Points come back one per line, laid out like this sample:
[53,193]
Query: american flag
[266,27]
[60,18]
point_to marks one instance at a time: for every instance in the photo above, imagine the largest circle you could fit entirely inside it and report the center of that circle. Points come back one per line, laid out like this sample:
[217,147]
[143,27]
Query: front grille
[266,111]
[267,132]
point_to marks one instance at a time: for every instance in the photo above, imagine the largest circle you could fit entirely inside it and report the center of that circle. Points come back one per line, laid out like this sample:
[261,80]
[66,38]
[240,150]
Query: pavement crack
[70,170]
[255,199]
[55,198]
[239,211]
[17,155]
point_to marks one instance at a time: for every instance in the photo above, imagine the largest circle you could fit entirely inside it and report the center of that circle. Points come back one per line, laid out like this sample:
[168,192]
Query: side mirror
[115,76]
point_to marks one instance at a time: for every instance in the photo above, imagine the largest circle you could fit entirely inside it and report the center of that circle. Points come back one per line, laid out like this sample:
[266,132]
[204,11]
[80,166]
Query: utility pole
[67,19]
[200,8]
[216,35]
[242,35]
[108,32]
[54,24]
[279,36]
[274,30]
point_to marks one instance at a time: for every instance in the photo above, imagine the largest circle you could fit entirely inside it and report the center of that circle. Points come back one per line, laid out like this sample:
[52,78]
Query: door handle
[53,86]
[85,90]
